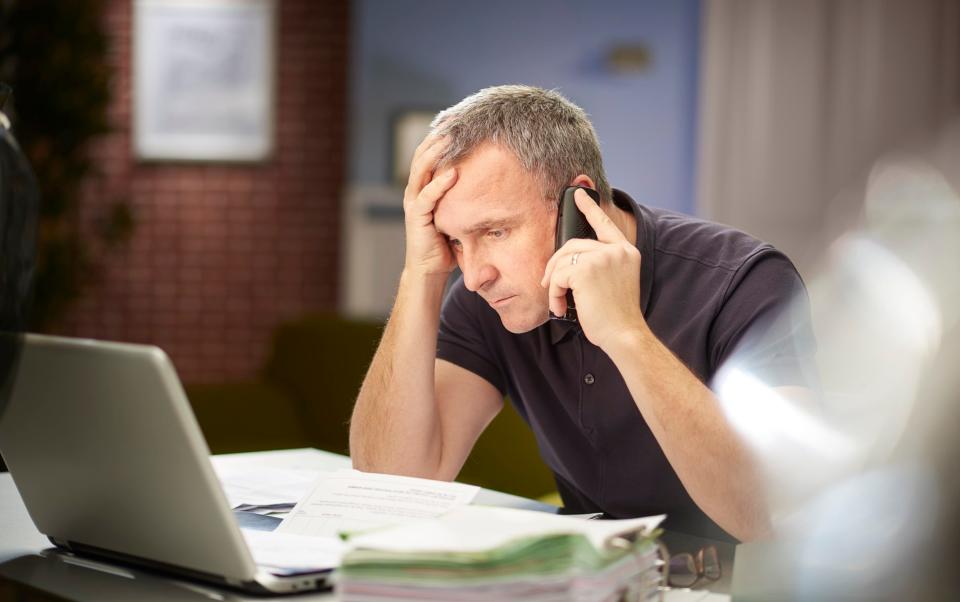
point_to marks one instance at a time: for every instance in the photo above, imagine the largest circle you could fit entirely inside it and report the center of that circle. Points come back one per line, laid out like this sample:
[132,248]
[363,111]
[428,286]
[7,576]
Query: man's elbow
[396,464]
[400,469]
[753,525]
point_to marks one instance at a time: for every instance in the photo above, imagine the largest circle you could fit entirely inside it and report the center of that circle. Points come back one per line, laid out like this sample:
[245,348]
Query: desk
[24,562]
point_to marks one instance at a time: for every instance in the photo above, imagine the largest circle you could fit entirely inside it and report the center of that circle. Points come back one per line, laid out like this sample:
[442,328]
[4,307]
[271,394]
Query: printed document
[352,501]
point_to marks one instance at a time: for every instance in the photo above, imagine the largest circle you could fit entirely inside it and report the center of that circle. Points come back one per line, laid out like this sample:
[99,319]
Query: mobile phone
[571,223]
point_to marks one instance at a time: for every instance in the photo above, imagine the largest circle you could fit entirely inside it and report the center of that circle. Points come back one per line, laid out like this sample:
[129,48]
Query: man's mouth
[501,301]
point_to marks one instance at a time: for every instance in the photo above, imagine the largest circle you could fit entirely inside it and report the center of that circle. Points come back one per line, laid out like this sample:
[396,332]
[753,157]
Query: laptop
[105,451]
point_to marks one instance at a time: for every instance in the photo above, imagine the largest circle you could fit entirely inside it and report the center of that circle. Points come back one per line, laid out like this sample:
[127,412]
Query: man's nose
[477,270]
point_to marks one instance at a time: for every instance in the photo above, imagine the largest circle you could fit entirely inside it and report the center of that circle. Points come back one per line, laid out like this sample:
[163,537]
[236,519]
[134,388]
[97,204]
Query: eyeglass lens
[683,570]
[687,569]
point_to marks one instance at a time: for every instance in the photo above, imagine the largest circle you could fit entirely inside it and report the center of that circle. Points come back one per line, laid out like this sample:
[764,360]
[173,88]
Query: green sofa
[305,396]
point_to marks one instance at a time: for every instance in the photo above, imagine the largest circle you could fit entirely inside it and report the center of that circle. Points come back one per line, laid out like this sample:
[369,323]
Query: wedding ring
[575,259]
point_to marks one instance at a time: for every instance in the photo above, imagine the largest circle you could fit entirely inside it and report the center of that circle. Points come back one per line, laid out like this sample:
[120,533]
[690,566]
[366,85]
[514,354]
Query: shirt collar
[646,242]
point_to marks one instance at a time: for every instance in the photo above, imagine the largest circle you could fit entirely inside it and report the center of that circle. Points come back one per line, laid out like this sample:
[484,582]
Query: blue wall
[431,53]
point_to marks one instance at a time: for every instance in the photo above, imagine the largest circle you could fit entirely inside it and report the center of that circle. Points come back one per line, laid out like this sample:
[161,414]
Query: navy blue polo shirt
[702,287]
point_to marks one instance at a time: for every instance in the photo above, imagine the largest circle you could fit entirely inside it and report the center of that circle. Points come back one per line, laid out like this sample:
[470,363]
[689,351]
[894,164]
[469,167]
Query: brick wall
[222,253]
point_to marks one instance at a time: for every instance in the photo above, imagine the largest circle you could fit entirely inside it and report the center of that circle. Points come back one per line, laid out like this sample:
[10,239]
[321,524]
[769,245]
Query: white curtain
[800,97]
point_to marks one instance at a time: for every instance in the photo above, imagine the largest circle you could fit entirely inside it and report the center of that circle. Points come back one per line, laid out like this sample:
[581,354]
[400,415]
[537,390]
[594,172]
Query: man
[617,401]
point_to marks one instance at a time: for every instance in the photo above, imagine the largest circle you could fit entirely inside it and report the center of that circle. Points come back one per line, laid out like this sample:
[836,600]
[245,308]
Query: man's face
[501,231]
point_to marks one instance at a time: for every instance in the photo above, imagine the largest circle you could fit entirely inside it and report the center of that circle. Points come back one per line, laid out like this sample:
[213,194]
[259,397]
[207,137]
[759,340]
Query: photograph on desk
[388,299]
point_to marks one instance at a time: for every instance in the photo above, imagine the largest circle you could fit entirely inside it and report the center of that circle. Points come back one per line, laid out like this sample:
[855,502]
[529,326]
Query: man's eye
[454,243]
[496,234]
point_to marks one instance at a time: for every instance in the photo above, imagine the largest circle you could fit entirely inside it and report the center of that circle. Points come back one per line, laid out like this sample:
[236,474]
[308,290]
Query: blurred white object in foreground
[860,468]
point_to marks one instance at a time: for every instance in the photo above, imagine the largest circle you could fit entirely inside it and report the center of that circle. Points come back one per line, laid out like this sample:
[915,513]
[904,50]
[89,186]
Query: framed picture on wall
[408,128]
[204,79]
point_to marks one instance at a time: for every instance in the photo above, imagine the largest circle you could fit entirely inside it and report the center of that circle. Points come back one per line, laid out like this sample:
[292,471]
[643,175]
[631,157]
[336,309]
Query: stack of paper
[345,500]
[483,553]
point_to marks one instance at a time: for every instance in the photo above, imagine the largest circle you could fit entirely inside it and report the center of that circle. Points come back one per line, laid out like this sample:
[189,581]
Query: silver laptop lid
[104,449]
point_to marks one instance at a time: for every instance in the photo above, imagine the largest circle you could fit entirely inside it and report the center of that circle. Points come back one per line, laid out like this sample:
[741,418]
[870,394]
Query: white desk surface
[20,542]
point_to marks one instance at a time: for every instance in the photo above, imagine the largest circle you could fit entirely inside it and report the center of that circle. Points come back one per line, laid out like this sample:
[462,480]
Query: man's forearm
[711,460]
[395,426]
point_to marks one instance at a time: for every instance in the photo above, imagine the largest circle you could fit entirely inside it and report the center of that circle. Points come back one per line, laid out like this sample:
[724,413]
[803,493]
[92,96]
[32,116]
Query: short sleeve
[764,323]
[461,339]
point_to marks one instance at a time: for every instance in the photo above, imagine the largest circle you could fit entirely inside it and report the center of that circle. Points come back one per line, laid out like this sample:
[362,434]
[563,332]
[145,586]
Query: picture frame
[204,80]
[408,128]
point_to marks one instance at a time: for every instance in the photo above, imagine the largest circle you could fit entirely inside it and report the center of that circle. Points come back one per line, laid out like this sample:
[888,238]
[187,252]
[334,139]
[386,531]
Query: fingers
[424,161]
[579,261]
[424,203]
[565,255]
[428,141]
[557,293]
[606,230]
[559,271]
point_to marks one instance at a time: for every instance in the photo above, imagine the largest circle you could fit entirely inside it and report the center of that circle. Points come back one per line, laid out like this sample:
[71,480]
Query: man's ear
[583,180]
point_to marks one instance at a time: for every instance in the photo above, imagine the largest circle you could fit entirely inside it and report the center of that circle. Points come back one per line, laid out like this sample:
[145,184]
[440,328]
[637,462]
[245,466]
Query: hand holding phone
[571,223]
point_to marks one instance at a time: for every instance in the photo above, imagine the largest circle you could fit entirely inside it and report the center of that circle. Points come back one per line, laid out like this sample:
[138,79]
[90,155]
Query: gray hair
[550,136]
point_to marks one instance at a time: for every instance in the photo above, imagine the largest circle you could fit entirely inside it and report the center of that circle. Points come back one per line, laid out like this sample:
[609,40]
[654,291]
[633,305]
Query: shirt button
[589,379]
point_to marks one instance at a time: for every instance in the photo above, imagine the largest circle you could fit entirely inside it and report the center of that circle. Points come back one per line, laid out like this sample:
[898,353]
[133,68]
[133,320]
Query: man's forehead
[492,187]
[490,166]
[463,215]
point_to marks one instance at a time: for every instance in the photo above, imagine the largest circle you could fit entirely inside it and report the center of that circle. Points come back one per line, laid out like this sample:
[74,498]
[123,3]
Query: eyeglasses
[677,571]
[686,570]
